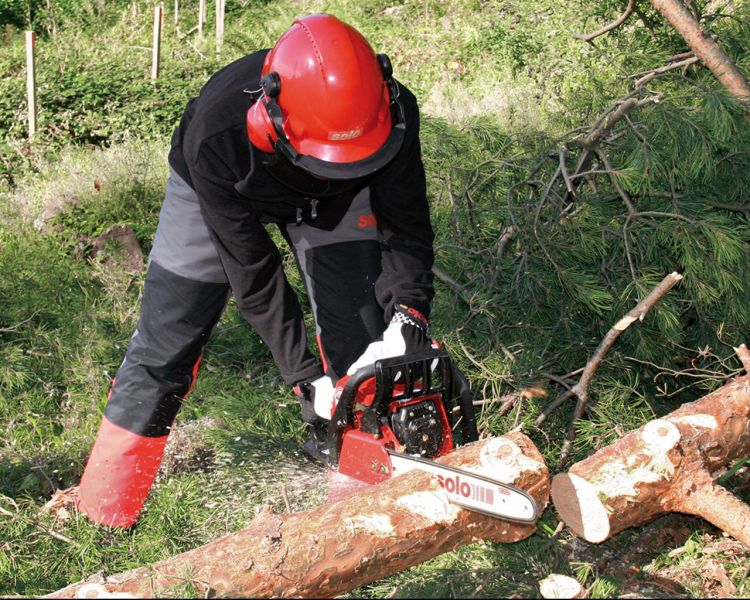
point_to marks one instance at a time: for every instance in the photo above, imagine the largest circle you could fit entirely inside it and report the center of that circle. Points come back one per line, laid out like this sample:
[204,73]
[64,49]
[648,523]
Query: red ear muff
[260,128]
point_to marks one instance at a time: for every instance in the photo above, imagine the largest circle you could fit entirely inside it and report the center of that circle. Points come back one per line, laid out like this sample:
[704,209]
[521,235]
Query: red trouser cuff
[118,475]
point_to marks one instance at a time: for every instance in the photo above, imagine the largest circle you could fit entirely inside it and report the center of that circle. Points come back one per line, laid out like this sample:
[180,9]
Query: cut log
[560,586]
[344,545]
[668,465]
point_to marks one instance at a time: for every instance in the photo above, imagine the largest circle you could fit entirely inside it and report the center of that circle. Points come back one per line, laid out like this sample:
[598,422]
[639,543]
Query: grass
[498,82]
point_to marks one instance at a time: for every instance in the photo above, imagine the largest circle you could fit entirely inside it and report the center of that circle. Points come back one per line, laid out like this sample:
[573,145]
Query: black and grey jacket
[241,188]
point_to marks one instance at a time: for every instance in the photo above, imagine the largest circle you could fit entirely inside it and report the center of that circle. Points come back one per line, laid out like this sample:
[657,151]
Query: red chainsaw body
[363,454]
[402,412]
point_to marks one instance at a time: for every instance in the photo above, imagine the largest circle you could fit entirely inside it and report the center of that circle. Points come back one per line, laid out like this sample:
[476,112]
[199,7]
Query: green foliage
[80,13]
[511,44]
[573,269]
[95,91]
[537,277]
[46,306]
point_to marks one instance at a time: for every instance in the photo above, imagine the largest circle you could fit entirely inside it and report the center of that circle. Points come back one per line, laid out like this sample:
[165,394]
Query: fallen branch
[344,545]
[580,389]
[609,118]
[587,37]
[668,465]
[449,281]
[506,237]
[16,327]
[661,70]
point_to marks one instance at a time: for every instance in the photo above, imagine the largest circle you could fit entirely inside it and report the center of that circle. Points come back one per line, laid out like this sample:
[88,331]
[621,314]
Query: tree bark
[668,465]
[344,545]
[705,48]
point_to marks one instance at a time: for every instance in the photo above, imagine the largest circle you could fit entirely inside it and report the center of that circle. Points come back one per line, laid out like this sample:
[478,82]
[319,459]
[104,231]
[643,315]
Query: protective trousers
[184,295]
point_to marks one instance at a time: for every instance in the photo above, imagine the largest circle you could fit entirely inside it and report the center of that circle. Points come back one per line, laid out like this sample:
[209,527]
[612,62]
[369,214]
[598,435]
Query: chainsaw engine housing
[418,427]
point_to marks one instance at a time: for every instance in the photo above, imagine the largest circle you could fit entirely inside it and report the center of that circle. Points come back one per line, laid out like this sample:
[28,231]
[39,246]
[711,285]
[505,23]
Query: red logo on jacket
[367,221]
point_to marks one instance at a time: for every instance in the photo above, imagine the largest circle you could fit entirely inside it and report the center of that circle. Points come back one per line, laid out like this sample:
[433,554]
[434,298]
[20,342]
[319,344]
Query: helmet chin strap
[304,182]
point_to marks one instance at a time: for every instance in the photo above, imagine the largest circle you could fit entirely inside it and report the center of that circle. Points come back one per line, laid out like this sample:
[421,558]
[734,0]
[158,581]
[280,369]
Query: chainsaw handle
[343,414]
[462,391]
[454,382]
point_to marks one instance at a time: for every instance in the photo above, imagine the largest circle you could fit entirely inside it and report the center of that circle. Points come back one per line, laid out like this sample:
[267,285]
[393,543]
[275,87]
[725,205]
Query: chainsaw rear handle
[343,415]
[453,385]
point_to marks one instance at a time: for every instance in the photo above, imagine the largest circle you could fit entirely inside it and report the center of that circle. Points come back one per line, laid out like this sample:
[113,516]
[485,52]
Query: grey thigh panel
[182,244]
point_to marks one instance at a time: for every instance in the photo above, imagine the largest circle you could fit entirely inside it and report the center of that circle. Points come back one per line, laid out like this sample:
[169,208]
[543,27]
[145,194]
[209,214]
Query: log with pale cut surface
[668,465]
[343,545]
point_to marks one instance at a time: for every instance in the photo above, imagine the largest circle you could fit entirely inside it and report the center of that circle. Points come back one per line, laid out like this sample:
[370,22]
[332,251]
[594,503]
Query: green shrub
[18,13]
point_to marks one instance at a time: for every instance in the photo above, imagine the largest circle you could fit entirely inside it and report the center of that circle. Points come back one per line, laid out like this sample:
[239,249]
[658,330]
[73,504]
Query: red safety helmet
[329,103]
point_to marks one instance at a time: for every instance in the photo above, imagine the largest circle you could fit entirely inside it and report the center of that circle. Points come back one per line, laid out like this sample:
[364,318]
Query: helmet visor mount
[340,170]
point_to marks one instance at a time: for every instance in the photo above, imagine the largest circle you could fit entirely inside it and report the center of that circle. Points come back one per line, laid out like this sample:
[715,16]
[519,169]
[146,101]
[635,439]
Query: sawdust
[62,504]
[186,450]
[252,472]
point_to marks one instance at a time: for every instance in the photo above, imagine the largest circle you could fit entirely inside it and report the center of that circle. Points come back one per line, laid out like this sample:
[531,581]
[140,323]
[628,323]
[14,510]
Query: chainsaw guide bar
[472,491]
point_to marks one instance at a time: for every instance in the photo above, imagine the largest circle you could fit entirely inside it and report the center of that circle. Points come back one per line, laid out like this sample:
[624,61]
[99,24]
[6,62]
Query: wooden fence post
[219,24]
[201,17]
[31,81]
[176,12]
[158,12]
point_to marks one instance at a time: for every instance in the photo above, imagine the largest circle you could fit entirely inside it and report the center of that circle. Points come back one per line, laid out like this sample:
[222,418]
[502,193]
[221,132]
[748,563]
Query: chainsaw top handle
[415,374]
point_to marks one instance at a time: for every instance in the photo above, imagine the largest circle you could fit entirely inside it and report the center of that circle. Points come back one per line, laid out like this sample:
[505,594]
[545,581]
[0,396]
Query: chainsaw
[401,413]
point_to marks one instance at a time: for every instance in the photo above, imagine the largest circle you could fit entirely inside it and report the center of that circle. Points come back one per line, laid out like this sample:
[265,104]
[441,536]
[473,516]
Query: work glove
[406,333]
[316,399]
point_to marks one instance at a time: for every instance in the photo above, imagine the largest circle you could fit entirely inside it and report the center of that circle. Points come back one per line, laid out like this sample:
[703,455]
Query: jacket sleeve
[400,206]
[254,268]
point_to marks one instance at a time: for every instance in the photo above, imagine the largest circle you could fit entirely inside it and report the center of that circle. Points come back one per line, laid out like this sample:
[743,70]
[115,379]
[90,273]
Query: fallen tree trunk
[668,465]
[705,48]
[344,545]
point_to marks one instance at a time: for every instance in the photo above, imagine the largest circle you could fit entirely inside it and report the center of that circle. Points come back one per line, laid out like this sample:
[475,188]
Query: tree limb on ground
[704,47]
[344,545]
[587,37]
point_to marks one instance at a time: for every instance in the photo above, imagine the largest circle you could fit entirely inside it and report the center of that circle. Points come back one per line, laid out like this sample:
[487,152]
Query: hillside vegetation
[531,275]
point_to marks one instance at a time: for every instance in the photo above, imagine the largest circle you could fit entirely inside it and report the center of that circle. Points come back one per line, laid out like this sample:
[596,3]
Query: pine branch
[669,67]
[448,280]
[587,37]
[620,190]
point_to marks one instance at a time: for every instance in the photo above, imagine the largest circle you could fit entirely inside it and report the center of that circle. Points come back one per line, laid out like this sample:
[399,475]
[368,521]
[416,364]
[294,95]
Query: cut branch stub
[344,545]
[668,465]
